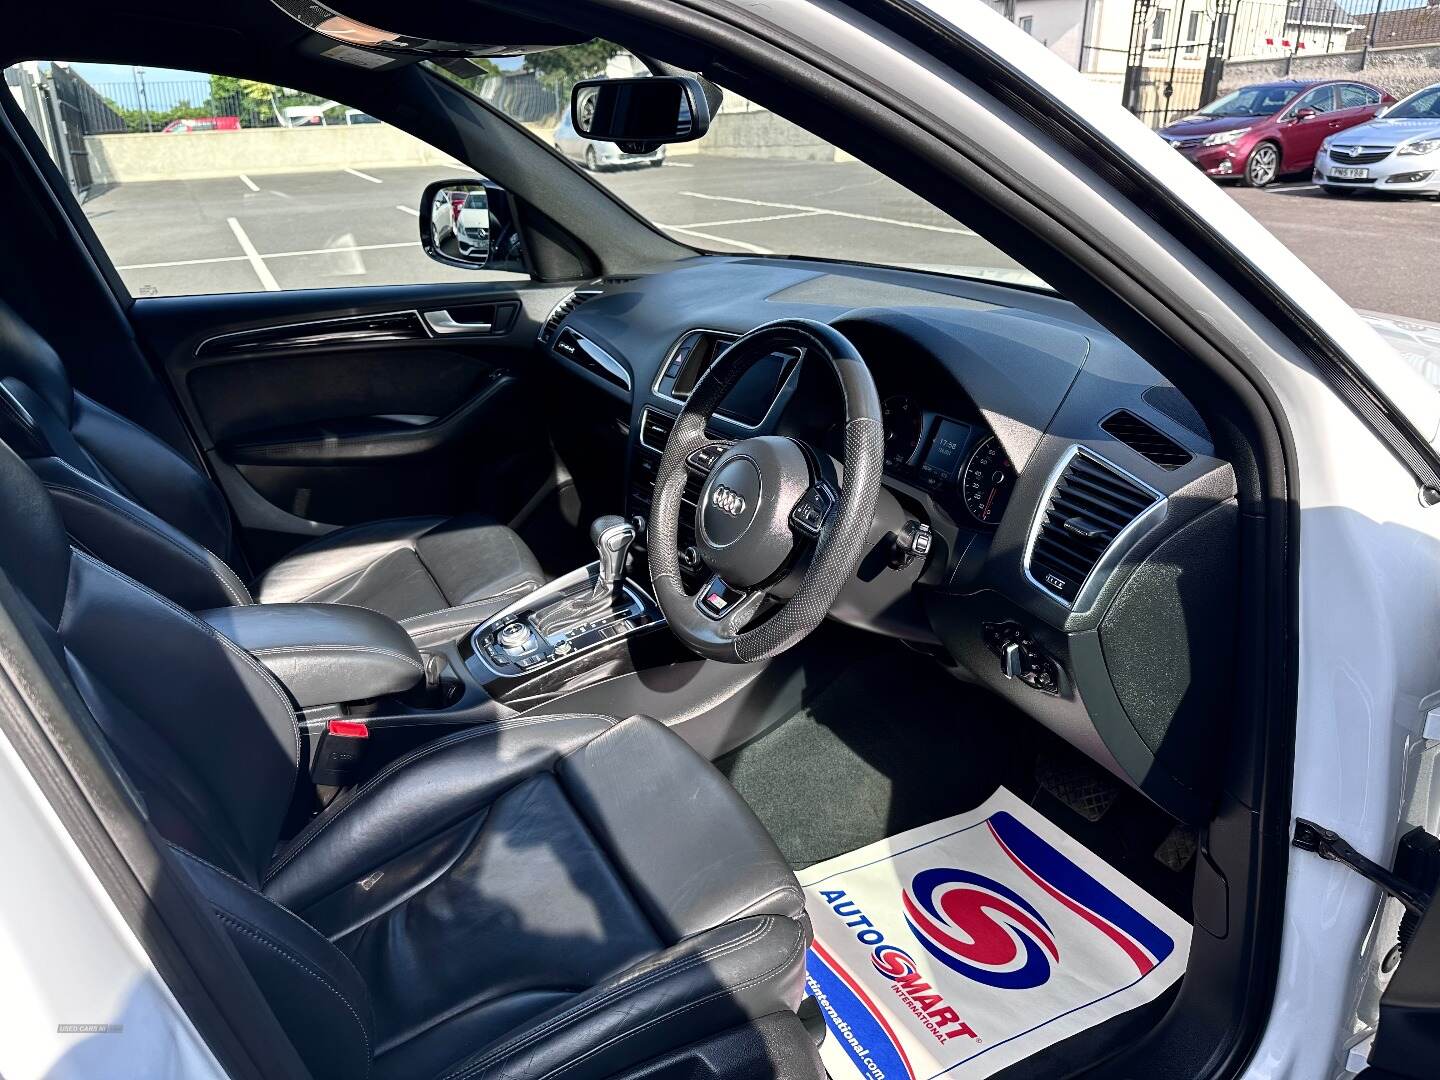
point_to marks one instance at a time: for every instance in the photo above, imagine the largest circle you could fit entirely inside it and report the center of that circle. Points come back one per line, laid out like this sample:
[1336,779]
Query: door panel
[326,408]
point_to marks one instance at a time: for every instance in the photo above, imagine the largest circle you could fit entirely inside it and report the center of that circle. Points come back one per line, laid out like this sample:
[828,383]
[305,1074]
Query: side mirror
[470,224]
[641,113]
[1306,113]
[1381,111]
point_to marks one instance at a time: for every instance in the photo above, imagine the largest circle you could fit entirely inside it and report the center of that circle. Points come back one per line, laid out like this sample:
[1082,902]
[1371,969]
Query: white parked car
[595,155]
[1396,153]
[472,225]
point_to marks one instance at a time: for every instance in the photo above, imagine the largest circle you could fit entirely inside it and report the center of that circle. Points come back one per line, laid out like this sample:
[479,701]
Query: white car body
[594,154]
[472,225]
[1396,153]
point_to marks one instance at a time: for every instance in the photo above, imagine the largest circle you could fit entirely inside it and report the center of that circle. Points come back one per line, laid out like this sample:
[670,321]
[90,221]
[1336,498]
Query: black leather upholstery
[324,653]
[130,500]
[540,896]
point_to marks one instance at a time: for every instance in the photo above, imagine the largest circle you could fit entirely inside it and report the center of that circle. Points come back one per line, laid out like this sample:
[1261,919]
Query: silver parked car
[595,155]
[1399,151]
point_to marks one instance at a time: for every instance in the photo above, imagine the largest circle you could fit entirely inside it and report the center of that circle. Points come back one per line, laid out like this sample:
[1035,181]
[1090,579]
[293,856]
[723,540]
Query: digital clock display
[942,459]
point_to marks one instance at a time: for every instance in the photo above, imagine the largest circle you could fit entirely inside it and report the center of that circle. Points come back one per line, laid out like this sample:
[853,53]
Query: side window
[1321,99]
[1357,97]
[200,183]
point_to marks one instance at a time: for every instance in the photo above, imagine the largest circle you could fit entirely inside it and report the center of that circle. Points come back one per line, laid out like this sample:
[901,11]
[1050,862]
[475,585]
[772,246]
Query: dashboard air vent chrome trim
[1146,440]
[561,310]
[657,425]
[1092,513]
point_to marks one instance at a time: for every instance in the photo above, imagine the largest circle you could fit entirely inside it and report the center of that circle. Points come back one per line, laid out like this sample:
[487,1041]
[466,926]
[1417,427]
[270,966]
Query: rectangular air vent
[1146,440]
[562,309]
[1089,506]
[655,430]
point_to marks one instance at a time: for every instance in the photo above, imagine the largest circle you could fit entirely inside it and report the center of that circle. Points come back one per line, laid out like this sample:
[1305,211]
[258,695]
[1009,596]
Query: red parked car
[1259,133]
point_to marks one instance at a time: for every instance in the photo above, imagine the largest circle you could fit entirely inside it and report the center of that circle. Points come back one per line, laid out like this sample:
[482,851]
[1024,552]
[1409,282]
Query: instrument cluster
[961,462]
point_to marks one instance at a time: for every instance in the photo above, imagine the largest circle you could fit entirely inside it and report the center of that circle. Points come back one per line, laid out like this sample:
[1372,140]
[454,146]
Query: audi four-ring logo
[727,500]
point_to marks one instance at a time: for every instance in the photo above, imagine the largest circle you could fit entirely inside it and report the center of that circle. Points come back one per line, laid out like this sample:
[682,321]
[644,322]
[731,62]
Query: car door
[330,372]
[1301,135]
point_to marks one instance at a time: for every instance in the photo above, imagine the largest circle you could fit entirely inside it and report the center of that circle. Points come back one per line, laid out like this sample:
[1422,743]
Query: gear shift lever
[612,536]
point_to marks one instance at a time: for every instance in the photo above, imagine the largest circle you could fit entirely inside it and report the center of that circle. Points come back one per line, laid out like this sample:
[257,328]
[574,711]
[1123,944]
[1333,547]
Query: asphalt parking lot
[354,227]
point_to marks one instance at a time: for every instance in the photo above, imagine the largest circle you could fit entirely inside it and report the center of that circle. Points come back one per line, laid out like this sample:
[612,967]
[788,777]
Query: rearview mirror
[641,113]
[470,223]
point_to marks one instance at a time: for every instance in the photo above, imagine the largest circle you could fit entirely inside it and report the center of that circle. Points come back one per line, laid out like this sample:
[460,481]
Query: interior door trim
[344,330]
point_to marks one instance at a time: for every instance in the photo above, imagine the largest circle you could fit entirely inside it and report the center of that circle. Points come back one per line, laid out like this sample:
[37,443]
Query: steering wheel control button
[703,460]
[717,599]
[812,513]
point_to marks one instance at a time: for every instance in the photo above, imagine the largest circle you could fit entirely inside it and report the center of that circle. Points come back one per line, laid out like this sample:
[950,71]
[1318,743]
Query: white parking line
[680,164]
[248,182]
[270,255]
[365,176]
[407,210]
[741,244]
[267,279]
[751,220]
[1293,190]
[956,230]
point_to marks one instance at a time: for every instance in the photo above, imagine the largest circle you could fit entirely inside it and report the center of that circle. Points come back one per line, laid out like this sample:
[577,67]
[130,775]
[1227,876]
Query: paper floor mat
[968,944]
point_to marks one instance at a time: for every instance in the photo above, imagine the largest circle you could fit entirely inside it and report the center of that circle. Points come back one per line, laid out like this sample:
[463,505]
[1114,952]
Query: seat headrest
[34,547]
[28,357]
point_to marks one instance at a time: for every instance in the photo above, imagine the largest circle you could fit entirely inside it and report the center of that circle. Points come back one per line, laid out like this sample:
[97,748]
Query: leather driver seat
[542,897]
[132,501]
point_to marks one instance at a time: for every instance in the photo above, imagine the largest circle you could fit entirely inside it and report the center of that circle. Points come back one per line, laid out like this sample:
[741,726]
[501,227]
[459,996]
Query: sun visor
[366,33]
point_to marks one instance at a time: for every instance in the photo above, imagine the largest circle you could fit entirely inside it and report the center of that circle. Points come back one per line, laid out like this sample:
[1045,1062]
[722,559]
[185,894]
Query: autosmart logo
[980,928]
[921,999]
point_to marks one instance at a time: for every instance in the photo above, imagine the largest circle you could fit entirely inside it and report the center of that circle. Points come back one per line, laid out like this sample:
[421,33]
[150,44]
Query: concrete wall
[117,159]
[1399,70]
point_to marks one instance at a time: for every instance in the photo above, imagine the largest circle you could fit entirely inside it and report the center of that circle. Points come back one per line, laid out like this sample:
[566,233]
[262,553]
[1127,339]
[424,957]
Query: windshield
[755,184]
[1252,101]
[1424,105]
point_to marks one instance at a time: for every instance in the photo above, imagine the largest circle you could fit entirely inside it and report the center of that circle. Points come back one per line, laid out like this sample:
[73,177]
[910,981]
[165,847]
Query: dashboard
[1083,563]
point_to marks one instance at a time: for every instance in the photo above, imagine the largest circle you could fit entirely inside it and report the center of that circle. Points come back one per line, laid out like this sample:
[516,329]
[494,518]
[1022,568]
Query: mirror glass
[458,217]
[657,109]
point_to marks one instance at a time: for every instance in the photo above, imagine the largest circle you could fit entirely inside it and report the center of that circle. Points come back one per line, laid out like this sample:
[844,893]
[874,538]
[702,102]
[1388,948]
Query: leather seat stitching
[728,991]
[281,650]
[675,967]
[224,642]
[251,890]
[241,598]
[396,766]
[251,931]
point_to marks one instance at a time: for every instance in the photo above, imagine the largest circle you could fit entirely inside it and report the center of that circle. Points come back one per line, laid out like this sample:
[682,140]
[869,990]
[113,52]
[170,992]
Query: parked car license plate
[1349,174]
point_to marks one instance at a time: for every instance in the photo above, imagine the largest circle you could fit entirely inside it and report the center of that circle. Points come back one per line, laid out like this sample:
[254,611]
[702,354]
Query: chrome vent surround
[1146,440]
[1092,513]
[561,310]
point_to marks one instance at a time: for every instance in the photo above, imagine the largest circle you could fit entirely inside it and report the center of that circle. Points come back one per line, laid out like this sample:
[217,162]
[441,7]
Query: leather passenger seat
[547,897]
[132,501]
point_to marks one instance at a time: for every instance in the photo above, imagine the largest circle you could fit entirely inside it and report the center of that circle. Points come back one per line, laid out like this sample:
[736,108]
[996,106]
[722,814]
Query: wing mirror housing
[1306,113]
[470,224]
[639,114]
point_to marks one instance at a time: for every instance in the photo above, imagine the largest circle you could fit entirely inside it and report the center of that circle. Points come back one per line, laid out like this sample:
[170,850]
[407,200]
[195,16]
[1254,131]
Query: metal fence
[1385,23]
[149,105]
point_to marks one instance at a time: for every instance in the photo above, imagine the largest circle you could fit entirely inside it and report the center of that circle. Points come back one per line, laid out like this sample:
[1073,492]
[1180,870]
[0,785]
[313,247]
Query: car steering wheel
[765,502]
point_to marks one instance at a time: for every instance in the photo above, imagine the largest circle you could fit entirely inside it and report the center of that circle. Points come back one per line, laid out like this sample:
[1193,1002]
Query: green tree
[471,82]
[564,67]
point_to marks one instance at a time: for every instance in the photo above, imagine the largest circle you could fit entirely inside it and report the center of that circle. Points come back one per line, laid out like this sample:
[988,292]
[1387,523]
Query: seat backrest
[208,741]
[125,496]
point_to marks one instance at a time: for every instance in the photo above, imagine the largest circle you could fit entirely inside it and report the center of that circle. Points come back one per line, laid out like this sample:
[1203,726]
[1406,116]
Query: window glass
[1250,101]
[200,183]
[1424,105]
[1321,99]
[753,184]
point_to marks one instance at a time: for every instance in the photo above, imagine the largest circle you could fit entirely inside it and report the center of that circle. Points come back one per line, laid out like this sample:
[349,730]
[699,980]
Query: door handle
[442,322]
